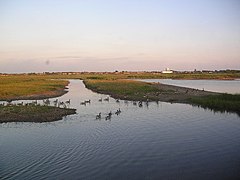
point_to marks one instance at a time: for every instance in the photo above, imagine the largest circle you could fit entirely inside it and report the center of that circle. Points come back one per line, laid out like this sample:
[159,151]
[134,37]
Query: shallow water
[223,86]
[161,141]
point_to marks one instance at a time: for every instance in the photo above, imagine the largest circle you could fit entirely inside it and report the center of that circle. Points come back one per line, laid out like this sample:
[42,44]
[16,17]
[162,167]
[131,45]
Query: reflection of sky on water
[223,86]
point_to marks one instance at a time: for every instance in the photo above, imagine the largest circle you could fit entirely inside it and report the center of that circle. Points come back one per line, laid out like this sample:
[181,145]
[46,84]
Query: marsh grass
[144,75]
[32,113]
[25,109]
[136,90]
[117,85]
[122,88]
[223,102]
[16,86]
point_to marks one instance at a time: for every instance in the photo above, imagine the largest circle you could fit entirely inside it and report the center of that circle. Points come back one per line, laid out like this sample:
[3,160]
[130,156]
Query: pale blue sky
[108,35]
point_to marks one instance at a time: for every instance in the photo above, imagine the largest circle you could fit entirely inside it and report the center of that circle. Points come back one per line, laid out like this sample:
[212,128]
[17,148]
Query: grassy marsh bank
[222,102]
[40,86]
[116,84]
[123,89]
[142,91]
[32,113]
[137,90]
[30,87]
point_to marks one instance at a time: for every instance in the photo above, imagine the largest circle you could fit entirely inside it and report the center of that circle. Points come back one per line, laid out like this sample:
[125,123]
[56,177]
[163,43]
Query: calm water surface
[161,141]
[223,86]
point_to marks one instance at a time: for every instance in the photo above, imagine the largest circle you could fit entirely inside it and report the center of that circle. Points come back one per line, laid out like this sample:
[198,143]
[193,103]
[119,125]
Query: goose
[61,103]
[106,99]
[88,101]
[83,103]
[20,104]
[64,106]
[108,117]
[110,114]
[55,101]
[68,102]
[46,102]
[98,116]
[9,103]
[147,102]
[34,102]
[118,112]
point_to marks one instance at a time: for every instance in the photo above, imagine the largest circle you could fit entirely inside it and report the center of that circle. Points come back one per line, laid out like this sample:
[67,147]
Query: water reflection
[223,86]
[158,141]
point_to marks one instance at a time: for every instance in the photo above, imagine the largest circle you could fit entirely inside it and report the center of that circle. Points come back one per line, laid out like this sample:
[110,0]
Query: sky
[109,35]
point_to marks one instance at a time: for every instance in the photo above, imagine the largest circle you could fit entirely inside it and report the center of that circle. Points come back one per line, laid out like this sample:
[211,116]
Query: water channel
[159,141]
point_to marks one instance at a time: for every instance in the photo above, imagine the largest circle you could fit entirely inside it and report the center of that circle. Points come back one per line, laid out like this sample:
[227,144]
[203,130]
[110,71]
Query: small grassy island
[27,87]
[31,113]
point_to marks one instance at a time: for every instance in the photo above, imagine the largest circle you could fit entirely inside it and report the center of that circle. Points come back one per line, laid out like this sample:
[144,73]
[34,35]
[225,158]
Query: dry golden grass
[12,87]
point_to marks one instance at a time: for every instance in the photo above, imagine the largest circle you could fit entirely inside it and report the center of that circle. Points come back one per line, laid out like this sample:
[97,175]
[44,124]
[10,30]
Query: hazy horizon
[109,35]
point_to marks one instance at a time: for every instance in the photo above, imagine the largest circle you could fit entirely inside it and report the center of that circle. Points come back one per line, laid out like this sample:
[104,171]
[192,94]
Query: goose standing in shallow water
[19,104]
[46,102]
[68,102]
[55,102]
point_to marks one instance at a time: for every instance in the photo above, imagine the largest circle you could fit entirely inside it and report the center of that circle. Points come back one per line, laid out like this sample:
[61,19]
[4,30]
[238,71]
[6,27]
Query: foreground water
[161,141]
[222,86]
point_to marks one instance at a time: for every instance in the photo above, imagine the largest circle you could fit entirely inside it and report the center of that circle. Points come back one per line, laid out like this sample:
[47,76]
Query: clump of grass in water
[222,103]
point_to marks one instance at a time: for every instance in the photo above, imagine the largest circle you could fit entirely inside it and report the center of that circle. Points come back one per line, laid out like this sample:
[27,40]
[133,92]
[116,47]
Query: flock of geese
[109,115]
[66,104]
[45,102]
[99,115]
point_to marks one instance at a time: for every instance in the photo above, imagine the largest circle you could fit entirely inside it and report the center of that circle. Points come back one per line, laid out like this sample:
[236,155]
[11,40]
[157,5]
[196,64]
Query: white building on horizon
[167,71]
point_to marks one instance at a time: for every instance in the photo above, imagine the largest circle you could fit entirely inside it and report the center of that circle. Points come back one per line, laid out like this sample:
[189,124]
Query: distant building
[167,71]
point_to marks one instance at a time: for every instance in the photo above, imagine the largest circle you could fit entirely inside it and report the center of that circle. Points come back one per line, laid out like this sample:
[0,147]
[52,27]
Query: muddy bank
[171,93]
[33,113]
